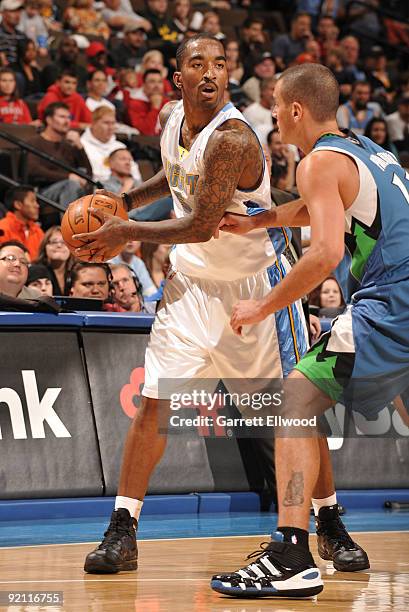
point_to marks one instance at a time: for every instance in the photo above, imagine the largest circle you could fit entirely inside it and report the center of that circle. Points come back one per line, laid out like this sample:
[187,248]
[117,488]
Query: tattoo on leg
[294,495]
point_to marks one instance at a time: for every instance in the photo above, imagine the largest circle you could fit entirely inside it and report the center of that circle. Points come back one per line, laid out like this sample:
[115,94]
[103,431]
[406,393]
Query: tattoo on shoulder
[165,112]
[294,494]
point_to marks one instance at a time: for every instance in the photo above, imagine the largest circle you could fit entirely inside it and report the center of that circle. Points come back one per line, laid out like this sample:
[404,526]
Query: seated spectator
[39,278]
[14,262]
[259,114]
[119,13]
[51,13]
[67,57]
[57,259]
[328,298]
[343,76]
[28,75]
[252,45]
[12,108]
[234,66]
[282,162]
[20,223]
[211,25]
[286,47]
[327,33]
[97,55]
[130,52]
[10,35]
[153,60]
[143,110]
[264,68]
[99,141]
[377,130]
[128,256]
[398,124]
[65,91]
[381,78]
[182,16]
[349,46]
[81,18]
[358,111]
[97,89]
[90,280]
[121,180]
[33,25]
[54,182]
[128,291]
[162,26]
[156,260]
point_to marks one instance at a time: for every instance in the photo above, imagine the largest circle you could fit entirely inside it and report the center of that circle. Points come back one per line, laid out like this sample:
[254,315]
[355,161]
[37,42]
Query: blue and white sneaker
[281,570]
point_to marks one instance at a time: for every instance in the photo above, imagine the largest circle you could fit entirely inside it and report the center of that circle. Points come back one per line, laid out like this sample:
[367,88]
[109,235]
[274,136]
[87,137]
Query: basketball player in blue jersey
[344,182]
[212,163]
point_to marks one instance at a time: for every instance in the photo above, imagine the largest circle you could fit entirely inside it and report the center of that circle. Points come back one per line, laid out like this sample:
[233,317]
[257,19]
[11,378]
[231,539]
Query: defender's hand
[236,224]
[247,312]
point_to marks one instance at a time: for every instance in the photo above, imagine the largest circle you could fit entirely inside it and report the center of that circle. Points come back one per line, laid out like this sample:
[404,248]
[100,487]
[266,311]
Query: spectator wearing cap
[39,278]
[14,263]
[121,180]
[359,110]
[286,47]
[119,13]
[259,114]
[97,56]
[131,50]
[143,109]
[380,78]
[97,88]
[344,77]
[350,48]
[67,57]
[264,68]
[65,91]
[20,223]
[398,124]
[81,18]
[99,141]
[10,35]
[162,26]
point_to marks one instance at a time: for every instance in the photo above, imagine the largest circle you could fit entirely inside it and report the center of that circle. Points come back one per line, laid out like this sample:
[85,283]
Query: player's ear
[177,79]
[296,111]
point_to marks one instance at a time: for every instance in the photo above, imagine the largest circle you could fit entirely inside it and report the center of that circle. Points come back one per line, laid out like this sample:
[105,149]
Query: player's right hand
[236,224]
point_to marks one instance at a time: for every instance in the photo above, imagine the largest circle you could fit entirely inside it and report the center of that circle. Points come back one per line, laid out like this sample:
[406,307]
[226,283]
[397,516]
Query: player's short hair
[181,50]
[313,86]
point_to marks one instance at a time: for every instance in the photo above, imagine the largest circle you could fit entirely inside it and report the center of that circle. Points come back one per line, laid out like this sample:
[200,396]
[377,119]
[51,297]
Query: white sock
[134,506]
[326,501]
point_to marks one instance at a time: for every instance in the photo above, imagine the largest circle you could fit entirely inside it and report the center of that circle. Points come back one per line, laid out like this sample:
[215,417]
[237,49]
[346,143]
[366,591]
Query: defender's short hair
[313,86]
[181,50]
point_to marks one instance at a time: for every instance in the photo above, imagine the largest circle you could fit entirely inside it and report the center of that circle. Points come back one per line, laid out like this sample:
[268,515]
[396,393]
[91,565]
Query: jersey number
[401,185]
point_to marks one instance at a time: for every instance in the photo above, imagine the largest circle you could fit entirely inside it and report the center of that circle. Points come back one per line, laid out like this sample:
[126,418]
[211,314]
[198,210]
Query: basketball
[77,219]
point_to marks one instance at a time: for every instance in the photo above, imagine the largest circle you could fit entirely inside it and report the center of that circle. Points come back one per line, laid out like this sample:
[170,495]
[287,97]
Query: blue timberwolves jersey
[377,223]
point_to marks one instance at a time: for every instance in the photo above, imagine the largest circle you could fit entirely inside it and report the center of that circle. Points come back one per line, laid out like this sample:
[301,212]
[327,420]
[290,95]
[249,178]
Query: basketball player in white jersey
[212,163]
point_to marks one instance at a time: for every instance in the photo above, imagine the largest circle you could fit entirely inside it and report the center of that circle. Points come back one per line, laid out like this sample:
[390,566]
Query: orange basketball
[77,219]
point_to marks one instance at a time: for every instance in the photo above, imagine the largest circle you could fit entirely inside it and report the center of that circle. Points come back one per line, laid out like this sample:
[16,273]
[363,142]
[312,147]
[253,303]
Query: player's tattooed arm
[230,154]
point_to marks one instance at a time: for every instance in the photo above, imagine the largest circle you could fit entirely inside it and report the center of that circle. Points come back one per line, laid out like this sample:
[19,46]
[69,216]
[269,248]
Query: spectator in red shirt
[12,108]
[143,109]
[65,91]
[20,223]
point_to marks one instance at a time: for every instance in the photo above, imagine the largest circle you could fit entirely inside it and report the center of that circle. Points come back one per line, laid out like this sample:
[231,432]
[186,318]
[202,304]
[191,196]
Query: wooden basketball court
[174,576]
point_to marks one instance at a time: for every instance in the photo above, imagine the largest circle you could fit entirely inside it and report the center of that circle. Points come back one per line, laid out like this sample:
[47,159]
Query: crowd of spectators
[90,76]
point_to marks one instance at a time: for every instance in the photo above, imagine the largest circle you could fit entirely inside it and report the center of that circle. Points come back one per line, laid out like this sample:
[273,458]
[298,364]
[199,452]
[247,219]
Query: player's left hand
[246,312]
[113,233]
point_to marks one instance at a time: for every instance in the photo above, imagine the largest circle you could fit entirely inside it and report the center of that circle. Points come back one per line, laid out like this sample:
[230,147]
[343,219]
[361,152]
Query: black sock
[294,535]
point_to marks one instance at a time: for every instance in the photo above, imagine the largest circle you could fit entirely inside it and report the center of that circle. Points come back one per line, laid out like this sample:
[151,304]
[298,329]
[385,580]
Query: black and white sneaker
[281,570]
[336,545]
[118,551]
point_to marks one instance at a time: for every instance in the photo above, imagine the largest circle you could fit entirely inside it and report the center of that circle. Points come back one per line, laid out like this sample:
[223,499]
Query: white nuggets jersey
[228,257]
